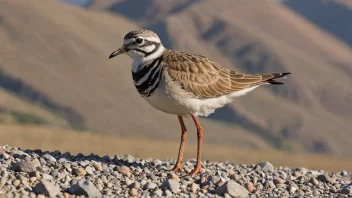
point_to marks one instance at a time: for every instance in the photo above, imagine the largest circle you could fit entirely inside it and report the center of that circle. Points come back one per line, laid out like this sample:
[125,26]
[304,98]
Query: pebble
[194,187]
[46,188]
[151,185]
[49,158]
[89,170]
[84,187]
[25,166]
[324,178]
[232,188]
[133,192]
[173,176]
[98,166]
[16,183]
[171,185]
[124,170]
[266,166]
[79,172]
[250,187]
[158,192]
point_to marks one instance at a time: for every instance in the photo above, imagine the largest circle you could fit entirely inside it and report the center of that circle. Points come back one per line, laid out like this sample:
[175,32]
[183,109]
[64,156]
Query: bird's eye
[139,40]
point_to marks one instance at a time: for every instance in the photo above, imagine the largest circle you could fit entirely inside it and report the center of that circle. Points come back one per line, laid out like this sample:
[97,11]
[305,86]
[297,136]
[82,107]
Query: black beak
[121,50]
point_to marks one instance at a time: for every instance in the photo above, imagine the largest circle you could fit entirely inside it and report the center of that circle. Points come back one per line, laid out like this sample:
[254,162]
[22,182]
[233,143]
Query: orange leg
[197,168]
[178,165]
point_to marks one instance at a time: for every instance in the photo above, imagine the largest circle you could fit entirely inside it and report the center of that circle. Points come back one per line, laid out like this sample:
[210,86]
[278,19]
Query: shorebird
[184,84]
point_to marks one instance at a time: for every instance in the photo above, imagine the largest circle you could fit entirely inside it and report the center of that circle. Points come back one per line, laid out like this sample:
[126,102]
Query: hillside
[333,16]
[66,63]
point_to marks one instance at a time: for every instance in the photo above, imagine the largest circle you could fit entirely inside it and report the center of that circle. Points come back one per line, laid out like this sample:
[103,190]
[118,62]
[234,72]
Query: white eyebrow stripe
[154,39]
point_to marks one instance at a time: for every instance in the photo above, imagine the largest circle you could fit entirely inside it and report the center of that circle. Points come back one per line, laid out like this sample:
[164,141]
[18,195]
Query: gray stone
[346,191]
[324,178]
[171,185]
[89,170]
[129,158]
[266,166]
[151,185]
[232,188]
[158,192]
[49,158]
[25,166]
[46,188]
[84,187]
[314,181]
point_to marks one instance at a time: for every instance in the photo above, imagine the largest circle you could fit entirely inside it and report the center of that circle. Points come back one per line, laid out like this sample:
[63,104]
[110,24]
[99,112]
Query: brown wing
[205,78]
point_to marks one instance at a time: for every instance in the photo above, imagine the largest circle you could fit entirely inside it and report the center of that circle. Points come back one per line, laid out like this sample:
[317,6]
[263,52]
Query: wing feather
[206,79]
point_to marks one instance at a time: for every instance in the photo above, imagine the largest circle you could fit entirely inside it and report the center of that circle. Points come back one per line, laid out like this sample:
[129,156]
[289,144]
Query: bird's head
[140,45]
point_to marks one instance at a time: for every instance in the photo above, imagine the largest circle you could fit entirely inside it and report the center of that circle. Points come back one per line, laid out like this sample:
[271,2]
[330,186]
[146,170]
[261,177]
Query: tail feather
[275,76]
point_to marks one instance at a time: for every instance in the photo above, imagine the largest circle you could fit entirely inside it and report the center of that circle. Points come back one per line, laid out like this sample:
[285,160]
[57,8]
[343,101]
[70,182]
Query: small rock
[158,192]
[46,188]
[89,170]
[171,185]
[36,162]
[97,166]
[173,176]
[124,170]
[278,181]
[214,179]
[168,193]
[84,187]
[314,181]
[232,188]
[129,158]
[3,181]
[133,192]
[32,179]
[49,158]
[47,177]
[194,187]
[292,189]
[25,166]
[324,178]
[266,166]
[151,185]
[5,156]
[259,187]
[250,187]
[16,182]
[79,172]
[346,191]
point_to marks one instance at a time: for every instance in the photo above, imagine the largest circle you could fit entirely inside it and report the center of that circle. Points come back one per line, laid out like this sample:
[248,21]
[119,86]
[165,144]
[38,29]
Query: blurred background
[59,91]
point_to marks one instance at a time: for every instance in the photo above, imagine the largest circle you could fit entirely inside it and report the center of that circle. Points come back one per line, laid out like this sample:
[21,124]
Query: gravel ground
[36,173]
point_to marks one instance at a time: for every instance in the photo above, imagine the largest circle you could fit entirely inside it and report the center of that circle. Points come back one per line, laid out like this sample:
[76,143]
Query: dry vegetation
[52,139]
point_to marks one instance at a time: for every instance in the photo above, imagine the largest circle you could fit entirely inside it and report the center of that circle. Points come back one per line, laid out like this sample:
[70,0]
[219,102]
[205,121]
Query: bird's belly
[164,100]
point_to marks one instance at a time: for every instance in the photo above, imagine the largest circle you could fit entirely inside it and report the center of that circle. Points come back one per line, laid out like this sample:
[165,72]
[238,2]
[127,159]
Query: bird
[184,84]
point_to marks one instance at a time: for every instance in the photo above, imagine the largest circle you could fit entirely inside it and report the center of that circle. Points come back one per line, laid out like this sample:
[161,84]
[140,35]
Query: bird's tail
[270,78]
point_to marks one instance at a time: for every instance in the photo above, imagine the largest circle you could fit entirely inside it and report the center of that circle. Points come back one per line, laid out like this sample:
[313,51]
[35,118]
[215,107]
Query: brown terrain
[54,69]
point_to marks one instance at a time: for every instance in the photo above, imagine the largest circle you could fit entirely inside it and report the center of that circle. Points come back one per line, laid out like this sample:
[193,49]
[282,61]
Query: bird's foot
[177,168]
[195,171]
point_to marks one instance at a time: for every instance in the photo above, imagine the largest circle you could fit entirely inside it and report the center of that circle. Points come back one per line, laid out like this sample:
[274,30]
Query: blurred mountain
[333,16]
[61,51]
